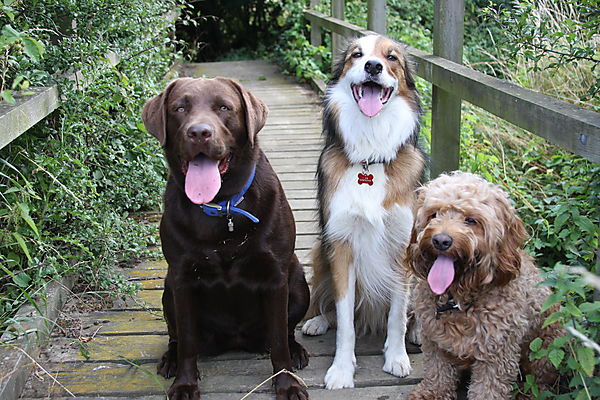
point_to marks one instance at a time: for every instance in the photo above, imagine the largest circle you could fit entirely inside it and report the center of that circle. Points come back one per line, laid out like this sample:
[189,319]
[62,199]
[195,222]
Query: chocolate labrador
[228,235]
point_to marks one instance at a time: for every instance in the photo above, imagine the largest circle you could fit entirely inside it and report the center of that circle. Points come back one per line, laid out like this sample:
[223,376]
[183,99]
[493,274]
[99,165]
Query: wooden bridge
[112,353]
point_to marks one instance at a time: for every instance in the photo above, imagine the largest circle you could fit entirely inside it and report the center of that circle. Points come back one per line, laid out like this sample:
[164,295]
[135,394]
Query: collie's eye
[180,109]
[392,57]
[470,221]
[358,54]
[224,108]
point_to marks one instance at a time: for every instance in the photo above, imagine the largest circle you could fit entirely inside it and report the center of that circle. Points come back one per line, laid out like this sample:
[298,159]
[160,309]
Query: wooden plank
[149,346]
[369,393]
[448,31]
[227,376]
[337,41]
[569,126]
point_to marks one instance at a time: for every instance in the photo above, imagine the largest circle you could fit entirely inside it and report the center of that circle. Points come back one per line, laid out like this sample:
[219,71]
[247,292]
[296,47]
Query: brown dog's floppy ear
[254,109]
[508,255]
[154,115]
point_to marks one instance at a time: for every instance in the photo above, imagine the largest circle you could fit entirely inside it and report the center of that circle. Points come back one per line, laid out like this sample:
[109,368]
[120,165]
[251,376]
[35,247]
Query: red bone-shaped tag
[364,178]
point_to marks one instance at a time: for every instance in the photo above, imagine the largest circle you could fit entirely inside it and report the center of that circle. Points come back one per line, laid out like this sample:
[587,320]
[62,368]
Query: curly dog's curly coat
[477,298]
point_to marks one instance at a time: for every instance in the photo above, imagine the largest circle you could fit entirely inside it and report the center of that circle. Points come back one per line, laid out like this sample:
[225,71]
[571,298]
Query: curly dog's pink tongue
[370,103]
[202,180]
[441,274]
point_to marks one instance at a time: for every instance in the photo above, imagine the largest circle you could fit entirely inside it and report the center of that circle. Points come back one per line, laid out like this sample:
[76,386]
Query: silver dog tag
[230,223]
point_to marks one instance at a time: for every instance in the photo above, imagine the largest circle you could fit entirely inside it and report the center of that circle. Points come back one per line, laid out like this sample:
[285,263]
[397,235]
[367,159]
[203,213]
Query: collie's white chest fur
[376,235]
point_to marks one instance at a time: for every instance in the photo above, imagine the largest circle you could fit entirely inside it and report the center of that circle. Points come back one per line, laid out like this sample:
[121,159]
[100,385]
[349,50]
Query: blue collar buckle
[228,208]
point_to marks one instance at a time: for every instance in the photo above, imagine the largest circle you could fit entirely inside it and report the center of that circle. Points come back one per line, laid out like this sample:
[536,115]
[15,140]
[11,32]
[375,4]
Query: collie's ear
[408,73]
[508,256]
[154,114]
[255,110]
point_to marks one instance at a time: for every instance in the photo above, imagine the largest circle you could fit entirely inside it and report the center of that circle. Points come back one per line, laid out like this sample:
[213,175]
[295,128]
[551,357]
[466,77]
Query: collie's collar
[227,208]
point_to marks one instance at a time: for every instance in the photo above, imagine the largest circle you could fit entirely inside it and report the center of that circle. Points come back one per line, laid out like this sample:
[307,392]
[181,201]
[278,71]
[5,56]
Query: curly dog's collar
[450,305]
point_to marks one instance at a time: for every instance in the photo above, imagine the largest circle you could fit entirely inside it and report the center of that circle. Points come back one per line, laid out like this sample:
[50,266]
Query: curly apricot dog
[477,298]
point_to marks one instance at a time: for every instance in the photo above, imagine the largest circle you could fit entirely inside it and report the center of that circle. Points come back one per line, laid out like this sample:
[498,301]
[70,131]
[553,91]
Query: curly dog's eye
[470,221]
[432,216]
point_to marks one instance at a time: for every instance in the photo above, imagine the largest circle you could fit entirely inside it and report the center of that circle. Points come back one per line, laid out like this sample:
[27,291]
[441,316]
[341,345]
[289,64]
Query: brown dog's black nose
[441,241]
[373,67]
[200,131]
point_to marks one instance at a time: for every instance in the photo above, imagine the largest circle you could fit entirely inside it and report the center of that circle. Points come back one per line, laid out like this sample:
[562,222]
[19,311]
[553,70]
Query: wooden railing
[571,127]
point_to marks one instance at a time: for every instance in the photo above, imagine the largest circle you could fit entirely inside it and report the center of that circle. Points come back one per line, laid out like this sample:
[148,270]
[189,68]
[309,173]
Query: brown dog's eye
[224,108]
[470,221]
[180,109]
[358,54]
[392,57]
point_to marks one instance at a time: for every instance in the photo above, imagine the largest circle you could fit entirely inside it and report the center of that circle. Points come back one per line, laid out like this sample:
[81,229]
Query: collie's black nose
[373,67]
[441,241]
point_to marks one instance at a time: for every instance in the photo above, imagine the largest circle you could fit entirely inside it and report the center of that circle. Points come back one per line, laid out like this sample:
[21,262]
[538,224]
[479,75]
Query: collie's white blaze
[357,74]
[341,372]
[378,138]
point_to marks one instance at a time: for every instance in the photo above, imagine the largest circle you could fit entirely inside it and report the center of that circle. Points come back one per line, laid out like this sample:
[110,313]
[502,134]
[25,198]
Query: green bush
[71,186]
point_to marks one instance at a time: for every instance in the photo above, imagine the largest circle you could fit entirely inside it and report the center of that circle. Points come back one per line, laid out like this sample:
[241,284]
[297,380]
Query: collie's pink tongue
[370,104]
[202,180]
[441,274]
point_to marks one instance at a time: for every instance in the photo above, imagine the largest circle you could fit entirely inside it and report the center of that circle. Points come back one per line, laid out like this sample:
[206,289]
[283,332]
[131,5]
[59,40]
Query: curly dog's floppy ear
[154,114]
[508,256]
[254,109]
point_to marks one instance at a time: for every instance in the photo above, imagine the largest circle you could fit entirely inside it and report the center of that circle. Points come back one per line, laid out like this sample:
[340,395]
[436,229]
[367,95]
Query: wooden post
[448,32]
[315,30]
[376,16]
[337,41]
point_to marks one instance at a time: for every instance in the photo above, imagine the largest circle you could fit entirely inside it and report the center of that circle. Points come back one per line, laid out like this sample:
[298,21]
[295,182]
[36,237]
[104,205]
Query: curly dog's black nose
[441,241]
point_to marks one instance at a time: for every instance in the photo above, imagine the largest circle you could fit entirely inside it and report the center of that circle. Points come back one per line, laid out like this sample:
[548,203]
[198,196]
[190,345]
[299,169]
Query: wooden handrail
[29,110]
[569,126]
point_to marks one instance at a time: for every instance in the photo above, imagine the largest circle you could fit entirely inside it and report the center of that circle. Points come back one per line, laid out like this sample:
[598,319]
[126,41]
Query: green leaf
[33,48]
[582,395]
[8,97]
[573,310]
[552,318]
[23,245]
[590,307]
[586,359]
[21,279]
[536,344]
[9,35]
[556,356]
[553,299]
[25,215]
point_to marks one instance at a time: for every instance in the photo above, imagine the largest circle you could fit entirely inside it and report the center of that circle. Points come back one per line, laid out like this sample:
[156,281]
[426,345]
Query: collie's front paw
[340,376]
[315,326]
[397,364]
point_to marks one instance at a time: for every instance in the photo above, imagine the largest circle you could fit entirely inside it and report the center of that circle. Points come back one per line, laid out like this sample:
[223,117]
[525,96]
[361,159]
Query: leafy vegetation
[70,187]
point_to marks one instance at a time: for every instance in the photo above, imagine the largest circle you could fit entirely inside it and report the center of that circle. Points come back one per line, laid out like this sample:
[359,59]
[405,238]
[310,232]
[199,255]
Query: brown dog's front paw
[298,354]
[184,391]
[167,365]
[288,388]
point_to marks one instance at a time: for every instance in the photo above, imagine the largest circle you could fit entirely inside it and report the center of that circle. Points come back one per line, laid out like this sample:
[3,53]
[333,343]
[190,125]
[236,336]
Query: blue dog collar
[227,208]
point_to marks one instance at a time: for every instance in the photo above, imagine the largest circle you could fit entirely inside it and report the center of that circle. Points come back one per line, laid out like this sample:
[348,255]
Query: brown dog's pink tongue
[370,104]
[441,274]
[202,180]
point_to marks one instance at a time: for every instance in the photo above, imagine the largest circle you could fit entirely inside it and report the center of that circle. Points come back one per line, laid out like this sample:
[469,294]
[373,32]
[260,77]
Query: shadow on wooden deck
[125,341]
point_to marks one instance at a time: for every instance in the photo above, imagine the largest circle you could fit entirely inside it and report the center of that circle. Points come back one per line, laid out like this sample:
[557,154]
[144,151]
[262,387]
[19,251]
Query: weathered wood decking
[126,340]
